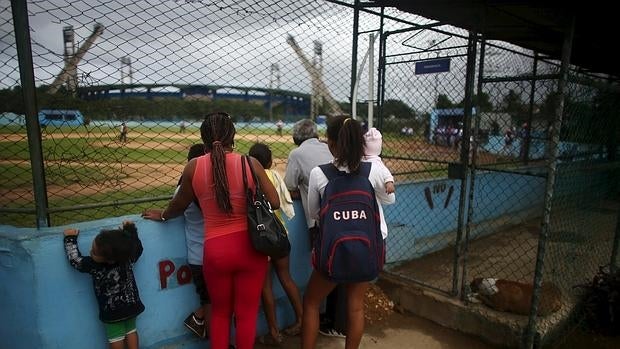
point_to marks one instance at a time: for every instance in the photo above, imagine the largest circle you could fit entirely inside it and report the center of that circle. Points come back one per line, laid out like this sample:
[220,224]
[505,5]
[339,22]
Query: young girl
[372,150]
[262,153]
[110,264]
[194,239]
[346,142]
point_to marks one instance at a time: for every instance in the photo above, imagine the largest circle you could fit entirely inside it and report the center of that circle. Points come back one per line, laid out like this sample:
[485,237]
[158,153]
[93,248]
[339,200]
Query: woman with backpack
[344,196]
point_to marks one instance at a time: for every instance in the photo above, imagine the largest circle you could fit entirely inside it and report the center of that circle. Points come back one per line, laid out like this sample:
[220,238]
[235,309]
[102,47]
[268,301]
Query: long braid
[218,132]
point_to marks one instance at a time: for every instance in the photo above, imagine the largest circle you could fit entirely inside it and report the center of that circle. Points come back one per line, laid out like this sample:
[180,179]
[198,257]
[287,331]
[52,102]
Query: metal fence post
[381,72]
[26,72]
[470,76]
[530,113]
[472,176]
[356,19]
[530,330]
[616,247]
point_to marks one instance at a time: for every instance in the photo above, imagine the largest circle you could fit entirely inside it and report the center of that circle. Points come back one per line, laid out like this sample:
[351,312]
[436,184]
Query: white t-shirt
[301,161]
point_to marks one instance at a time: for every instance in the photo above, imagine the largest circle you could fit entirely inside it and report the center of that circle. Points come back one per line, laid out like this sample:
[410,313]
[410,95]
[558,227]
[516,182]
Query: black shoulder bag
[267,233]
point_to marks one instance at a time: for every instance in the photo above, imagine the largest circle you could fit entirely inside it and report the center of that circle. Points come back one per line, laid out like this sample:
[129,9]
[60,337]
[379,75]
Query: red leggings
[234,273]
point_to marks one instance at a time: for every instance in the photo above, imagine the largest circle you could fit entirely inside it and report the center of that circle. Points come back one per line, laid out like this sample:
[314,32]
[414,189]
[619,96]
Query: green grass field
[90,166]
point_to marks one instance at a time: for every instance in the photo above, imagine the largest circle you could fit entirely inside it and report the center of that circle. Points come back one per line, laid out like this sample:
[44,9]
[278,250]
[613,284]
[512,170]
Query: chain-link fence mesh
[504,230]
[122,89]
[143,74]
[585,206]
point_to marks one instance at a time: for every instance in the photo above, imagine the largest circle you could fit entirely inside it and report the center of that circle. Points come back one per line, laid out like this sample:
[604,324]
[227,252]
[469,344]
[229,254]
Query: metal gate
[428,144]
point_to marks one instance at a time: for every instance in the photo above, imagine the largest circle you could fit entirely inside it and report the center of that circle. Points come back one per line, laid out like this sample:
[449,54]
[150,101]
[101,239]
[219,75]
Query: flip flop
[292,330]
[268,339]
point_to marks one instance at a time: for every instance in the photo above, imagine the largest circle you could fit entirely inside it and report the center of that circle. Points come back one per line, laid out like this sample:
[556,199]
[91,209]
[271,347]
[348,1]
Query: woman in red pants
[233,270]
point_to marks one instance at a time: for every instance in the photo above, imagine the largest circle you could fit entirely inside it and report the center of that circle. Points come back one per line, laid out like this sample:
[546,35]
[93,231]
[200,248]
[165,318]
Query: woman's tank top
[218,222]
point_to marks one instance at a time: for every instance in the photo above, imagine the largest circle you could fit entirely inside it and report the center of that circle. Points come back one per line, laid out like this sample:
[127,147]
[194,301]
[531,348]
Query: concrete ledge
[494,327]
[498,329]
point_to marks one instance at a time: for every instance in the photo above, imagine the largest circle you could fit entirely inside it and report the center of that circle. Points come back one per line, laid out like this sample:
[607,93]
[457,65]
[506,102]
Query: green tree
[398,108]
[443,102]
[482,103]
[513,105]
[546,110]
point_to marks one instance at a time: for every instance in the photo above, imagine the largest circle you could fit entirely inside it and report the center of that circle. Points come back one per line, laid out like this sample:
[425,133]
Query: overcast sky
[221,43]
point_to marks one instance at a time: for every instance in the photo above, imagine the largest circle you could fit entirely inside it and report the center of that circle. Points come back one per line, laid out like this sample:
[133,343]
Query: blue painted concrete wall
[418,227]
[538,146]
[45,303]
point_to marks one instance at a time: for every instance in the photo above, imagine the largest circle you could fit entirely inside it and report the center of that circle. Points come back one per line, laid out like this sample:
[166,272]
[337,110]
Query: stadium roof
[535,25]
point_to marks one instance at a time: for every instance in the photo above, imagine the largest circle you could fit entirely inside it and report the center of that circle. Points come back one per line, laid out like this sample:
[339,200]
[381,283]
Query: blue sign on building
[432,66]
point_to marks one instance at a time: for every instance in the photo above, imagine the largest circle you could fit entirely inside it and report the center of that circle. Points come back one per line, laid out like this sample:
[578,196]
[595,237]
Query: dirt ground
[572,258]
[397,331]
[386,329]
[131,176]
[138,176]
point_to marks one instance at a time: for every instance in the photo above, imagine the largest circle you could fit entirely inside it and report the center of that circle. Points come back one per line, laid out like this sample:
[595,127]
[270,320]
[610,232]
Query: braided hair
[348,142]
[218,132]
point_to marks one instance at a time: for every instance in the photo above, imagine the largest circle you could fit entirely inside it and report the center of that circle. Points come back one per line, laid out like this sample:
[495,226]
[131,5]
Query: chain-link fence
[455,227]
[584,211]
[121,88]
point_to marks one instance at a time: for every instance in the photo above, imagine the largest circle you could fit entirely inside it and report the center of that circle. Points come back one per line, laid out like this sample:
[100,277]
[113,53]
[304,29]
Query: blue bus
[60,117]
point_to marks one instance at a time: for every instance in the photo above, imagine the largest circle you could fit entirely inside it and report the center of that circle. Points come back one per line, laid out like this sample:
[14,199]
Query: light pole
[432,43]
[274,81]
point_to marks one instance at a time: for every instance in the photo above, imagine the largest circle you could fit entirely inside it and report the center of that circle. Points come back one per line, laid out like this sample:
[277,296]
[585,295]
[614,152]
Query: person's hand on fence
[389,187]
[153,214]
[71,232]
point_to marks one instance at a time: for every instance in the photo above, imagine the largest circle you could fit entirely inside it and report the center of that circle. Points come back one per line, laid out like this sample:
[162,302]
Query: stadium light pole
[432,43]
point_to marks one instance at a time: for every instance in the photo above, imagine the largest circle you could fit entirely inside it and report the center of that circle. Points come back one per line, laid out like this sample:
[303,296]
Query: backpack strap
[364,169]
[331,171]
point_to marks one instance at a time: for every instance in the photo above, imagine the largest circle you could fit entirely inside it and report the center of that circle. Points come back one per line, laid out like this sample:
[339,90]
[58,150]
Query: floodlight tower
[274,82]
[431,44]
[274,78]
[316,99]
[69,71]
[68,37]
[126,71]
[319,90]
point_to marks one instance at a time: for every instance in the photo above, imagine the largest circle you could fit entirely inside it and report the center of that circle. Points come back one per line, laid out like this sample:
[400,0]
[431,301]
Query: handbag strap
[253,175]
[248,192]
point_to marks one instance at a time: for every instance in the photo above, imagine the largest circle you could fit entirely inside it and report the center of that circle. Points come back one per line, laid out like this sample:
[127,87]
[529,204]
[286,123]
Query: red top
[217,222]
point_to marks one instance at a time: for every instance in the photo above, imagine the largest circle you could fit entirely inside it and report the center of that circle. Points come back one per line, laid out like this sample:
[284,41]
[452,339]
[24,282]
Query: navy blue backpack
[350,246]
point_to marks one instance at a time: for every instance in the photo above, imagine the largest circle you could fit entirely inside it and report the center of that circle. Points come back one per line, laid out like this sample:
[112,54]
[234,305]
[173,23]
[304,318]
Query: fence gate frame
[456,170]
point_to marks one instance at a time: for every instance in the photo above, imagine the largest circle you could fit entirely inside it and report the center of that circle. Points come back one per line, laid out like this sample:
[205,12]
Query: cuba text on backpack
[350,246]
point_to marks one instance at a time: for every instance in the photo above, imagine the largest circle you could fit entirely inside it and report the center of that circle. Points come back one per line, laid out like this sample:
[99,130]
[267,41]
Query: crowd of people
[230,276]
[448,135]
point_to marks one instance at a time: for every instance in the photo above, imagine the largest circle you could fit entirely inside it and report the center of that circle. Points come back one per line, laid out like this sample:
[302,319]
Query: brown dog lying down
[516,297]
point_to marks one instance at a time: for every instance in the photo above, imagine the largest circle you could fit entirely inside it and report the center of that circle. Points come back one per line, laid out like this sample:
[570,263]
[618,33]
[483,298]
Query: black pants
[336,309]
